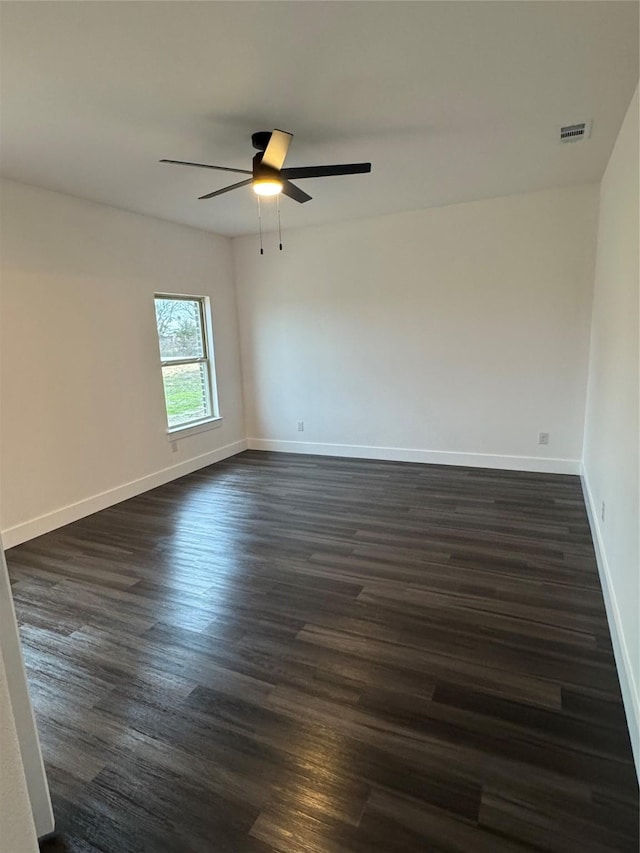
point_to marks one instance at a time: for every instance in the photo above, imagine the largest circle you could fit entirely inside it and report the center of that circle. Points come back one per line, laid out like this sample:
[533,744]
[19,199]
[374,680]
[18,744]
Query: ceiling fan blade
[326,171]
[205,166]
[295,192]
[276,150]
[227,189]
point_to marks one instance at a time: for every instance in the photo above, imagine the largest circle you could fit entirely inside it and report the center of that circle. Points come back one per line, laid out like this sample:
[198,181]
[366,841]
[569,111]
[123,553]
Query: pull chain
[279,225]
[260,225]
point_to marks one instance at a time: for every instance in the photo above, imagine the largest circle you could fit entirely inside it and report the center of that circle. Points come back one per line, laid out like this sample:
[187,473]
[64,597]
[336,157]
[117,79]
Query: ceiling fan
[268,178]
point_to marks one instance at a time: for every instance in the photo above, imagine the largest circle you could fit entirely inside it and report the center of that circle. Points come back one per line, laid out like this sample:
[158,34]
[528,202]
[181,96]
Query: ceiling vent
[575,132]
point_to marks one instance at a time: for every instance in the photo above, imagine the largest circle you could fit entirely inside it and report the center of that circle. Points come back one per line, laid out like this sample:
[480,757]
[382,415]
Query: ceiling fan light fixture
[268,177]
[267,186]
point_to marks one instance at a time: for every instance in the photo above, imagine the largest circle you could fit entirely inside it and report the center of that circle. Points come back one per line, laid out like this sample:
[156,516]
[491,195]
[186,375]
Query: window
[186,356]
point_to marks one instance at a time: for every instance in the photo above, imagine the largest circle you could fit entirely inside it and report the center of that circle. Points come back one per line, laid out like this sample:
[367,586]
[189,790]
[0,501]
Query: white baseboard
[547,465]
[59,517]
[628,686]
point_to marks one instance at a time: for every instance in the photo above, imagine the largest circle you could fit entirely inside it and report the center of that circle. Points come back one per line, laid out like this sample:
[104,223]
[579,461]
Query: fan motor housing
[260,171]
[260,139]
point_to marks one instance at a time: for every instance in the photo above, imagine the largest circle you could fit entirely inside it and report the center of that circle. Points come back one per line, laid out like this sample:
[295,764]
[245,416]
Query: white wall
[25,804]
[17,831]
[448,335]
[82,421]
[611,458]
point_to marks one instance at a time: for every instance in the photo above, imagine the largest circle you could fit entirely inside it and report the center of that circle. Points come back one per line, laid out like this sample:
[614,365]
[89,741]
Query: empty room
[319,434]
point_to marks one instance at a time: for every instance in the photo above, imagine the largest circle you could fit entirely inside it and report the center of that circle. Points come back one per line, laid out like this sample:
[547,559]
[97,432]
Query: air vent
[575,132]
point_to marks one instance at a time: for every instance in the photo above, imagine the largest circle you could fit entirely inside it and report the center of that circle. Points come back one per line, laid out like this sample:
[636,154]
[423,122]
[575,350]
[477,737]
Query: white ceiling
[451,101]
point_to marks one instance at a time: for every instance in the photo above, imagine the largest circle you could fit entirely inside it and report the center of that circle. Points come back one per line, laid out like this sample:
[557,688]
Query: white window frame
[208,359]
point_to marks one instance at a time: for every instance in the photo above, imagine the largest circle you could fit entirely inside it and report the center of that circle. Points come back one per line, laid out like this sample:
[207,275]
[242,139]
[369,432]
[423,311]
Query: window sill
[185,431]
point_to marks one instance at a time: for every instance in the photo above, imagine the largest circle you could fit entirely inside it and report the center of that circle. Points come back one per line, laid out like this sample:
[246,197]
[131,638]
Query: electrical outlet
[602,512]
[174,446]
[543,438]
[300,426]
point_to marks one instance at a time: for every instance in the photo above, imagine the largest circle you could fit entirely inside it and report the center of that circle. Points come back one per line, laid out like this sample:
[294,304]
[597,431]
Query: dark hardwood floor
[316,655]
